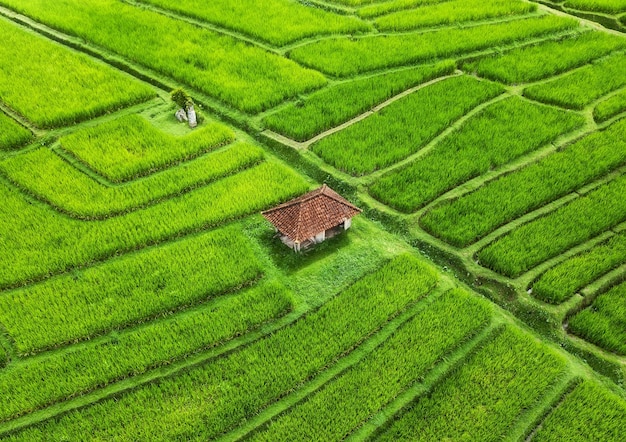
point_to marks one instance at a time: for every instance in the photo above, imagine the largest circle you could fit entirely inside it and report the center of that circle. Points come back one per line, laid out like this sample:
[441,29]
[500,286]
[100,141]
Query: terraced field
[480,295]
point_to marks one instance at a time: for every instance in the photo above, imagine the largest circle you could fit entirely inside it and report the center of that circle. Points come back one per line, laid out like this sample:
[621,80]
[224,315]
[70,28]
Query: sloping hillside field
[480,295]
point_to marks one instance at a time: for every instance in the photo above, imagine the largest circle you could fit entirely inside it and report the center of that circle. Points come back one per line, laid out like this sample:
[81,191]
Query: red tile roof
[310,214]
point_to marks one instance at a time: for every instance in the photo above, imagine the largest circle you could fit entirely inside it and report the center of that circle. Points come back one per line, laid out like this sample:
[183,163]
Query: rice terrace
[286,220]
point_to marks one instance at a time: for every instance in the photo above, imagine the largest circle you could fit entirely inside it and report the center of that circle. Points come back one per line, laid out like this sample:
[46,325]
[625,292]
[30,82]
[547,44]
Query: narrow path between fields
[306,144]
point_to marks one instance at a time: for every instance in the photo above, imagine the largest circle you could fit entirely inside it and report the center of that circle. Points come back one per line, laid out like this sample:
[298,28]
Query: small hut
[312,218]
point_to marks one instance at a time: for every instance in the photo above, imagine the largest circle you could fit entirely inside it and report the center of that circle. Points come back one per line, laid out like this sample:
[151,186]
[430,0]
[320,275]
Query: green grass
[337,104]
[57,182]
[209,399]
[486,395]
[604,322]
[352,2]
[452,12]
[12,134]
[236,73]
[609,6]
[464,220]
[347,401]
[36,382]
[580,88]
[403,127]
[590,412]
[71,88]
[497,135]
[130,146]
[278,22]
[546,237]
[611,107]
[345,56]
[60,243]
[127,290]
[520,65]
[386,7]
[565,279]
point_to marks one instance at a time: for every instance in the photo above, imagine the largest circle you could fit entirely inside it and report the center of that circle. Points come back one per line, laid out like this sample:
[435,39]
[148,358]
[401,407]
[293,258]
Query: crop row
[57,243]
[277,22]
[604,322]
[36,382]
[57,182]
[242,75]
[609,108]
[127,290]
[128,147]
[582,87]
[609,6]
[403,127]
[497,135]
[563,280]
[472,216]
[520,64]
[53,86]
[590,412]
[337,104]
[345,56]
[207,400]
[452,12]
[486,395]
[12,134]
[386,7]
[347,401]
[546,237]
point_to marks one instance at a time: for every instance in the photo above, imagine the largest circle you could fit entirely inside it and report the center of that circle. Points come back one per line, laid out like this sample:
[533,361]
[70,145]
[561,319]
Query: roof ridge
[296,201]
[338,197]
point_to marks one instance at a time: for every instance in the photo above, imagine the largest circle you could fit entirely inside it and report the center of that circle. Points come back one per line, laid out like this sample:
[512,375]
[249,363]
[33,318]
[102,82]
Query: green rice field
[479,294]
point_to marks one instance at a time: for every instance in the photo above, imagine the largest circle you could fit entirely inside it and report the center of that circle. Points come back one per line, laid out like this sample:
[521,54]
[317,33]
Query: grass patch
[583,86]
[278,22]
[403,127]
[53,86]
[590,412]
[387,7]
[349,56]
[486,395]
[354,396]
[236,73]
[610,107]
[608,6]
[497,135]
[57,182]
[604,322]
[127,290]
[35,382]
[520,65]
[462,221]
[12,134]
[327,108]
[452,12]
[129,147]
[542,239]
[209,399]
[563,280]
[60,243]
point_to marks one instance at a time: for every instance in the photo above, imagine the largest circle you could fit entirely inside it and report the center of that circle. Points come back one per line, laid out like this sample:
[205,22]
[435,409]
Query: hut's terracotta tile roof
[310,214]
